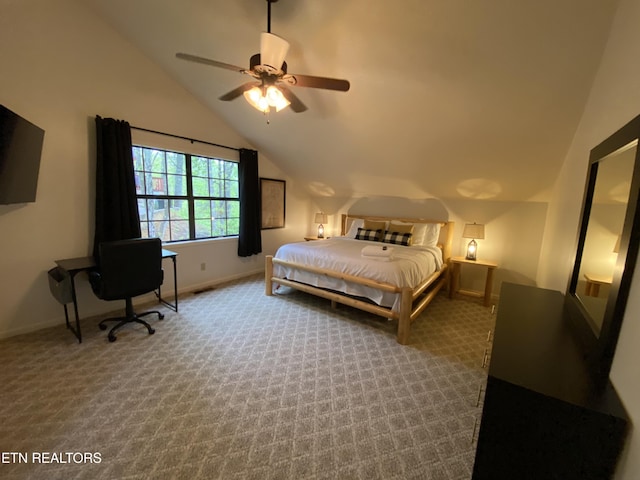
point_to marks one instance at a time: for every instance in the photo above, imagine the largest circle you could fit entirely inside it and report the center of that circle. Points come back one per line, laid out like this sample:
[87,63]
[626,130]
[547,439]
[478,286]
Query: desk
[73,266]
[592,288]
[455,276]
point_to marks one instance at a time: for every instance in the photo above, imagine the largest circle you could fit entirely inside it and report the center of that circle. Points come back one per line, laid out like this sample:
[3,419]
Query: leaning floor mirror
[607,246]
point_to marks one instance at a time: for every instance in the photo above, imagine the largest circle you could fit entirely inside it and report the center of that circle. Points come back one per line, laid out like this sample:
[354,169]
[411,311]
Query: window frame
[230,203]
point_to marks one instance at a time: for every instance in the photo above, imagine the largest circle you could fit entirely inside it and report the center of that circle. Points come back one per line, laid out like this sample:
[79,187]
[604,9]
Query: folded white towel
[381,251]
[377,259]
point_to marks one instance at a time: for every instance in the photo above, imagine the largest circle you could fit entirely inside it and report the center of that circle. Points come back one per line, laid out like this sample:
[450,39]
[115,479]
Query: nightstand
[310,239]
[454,282]
[592,288]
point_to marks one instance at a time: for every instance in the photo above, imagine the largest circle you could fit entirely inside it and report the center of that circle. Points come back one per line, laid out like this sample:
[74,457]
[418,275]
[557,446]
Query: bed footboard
[412,301]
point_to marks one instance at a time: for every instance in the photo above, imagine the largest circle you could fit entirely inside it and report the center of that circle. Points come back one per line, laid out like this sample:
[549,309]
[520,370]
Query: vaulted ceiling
[448,98]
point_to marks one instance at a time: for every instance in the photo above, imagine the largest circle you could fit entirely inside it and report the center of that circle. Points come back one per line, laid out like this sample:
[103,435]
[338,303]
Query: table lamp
[473,231]
[321,218]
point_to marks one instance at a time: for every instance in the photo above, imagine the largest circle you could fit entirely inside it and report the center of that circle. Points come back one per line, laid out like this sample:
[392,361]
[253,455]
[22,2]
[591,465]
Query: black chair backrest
[130,267]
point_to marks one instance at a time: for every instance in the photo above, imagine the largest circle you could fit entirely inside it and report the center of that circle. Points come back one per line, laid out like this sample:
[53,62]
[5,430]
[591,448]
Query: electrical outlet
[203,266]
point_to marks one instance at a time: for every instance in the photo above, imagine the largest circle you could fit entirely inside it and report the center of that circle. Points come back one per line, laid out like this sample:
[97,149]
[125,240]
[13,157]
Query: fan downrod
[269,2]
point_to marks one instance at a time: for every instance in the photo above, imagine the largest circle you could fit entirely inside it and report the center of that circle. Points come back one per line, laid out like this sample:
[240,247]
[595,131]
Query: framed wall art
[272,194]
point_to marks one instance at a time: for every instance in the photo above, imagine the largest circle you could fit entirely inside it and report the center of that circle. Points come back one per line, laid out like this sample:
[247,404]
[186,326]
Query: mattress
[406,266]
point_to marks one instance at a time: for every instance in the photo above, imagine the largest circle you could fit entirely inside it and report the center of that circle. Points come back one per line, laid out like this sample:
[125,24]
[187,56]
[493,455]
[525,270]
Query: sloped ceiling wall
[452,99]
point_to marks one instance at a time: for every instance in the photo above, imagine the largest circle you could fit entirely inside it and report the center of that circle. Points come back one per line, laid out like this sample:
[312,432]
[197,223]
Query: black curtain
[249,238]
[117,215]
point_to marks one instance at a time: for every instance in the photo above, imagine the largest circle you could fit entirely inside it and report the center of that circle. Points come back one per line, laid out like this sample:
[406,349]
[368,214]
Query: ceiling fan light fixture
[263,99]
[256,99]
[276,98]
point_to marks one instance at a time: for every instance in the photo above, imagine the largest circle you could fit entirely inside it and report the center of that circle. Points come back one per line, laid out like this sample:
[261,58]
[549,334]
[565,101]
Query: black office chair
[126,269]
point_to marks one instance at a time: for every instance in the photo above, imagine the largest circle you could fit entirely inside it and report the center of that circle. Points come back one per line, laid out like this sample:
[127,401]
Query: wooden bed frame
[412,302]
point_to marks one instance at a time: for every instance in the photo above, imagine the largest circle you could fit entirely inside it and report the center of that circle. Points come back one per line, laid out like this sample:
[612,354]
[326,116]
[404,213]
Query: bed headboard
[445,240]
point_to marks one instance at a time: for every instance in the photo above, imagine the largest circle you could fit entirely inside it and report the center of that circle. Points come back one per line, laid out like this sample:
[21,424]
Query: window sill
[196,243]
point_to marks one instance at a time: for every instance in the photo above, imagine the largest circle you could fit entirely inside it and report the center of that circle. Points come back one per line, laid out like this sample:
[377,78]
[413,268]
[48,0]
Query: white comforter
[407,266]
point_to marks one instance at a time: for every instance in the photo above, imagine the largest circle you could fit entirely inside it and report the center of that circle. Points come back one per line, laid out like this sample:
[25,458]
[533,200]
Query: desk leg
[488,287]
[76,331]
[173,306]
[175,283]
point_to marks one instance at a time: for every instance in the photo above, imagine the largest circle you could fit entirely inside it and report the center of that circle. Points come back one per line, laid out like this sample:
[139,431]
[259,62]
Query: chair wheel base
[131,317]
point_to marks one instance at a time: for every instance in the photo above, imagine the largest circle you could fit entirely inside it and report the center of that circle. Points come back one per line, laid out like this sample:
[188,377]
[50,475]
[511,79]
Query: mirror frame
[600,349]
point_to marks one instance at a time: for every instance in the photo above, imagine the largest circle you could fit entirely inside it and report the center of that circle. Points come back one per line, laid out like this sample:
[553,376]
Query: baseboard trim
[217,282]
[141,300]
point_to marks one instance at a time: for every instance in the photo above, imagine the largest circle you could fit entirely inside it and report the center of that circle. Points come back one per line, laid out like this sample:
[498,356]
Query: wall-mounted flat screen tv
[20,152]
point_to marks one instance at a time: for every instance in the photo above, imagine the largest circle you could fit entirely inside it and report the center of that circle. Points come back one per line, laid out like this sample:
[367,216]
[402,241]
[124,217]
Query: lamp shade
[262,98]
[276,98]
[256,99]
[473,230]
[321,218]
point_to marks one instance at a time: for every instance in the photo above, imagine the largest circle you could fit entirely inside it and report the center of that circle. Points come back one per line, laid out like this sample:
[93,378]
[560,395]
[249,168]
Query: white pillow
[425,234]
[431,235]
[419,232]
[353,228]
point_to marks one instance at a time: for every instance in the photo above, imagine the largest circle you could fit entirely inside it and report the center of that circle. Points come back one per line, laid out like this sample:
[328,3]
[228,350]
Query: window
[185,197]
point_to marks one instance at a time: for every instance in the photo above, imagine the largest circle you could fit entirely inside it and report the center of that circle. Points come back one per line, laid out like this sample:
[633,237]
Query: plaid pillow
[366,234]
[397,238]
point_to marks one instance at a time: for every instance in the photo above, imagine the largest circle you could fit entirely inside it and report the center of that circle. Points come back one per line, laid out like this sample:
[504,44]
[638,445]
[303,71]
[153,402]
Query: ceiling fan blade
[273,50]
[296,105]
[317,82]
[212,63]
[236,92]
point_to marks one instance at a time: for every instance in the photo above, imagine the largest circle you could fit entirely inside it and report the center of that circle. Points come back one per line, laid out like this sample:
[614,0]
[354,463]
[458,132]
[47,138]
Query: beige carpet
[243,386]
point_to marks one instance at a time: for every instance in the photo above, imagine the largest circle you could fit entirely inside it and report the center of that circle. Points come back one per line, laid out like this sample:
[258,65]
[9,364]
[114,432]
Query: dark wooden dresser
[542,418]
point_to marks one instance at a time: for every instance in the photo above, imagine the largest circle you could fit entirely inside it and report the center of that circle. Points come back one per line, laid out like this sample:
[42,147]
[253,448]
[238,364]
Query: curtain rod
[184,138]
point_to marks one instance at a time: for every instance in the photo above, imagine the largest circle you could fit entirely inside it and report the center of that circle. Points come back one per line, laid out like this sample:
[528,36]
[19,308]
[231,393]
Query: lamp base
[472,249]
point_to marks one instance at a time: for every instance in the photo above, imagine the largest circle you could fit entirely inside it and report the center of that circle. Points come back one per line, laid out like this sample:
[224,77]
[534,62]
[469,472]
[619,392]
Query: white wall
[62,66]
[614,100]
[513,230]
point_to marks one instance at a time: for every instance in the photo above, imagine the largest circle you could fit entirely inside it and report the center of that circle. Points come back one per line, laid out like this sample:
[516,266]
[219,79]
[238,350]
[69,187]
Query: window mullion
[191,201]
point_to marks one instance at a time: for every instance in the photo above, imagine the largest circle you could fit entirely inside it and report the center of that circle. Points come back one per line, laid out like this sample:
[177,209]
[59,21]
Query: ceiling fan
[271,80]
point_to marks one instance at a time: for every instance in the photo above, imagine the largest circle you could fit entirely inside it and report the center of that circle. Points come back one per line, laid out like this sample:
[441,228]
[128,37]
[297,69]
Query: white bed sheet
[408,266]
